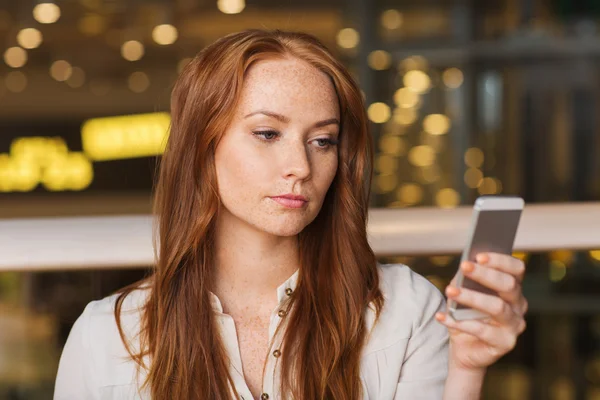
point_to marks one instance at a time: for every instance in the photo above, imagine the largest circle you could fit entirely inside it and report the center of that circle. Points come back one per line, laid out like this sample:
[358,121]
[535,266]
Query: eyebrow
[284,119]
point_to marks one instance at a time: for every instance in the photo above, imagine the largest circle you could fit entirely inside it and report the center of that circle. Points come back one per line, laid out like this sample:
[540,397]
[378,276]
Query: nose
[296,162]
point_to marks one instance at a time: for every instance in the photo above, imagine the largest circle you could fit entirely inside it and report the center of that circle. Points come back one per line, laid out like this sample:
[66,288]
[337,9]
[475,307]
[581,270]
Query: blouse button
[276,353]
[264,396]
[282,313]
[289,291]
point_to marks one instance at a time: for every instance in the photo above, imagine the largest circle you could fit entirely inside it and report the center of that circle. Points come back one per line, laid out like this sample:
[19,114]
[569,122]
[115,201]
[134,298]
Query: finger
[506,285]
[494,306]
[497,337]
[503,262]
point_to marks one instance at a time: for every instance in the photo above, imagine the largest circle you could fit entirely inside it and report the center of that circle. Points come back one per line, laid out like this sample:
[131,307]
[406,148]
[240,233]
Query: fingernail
[482,258]
[452,291]
[440,317]
[467,267]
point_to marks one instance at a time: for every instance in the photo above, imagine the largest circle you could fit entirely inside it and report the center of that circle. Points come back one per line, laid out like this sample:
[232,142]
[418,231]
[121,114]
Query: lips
[291,201]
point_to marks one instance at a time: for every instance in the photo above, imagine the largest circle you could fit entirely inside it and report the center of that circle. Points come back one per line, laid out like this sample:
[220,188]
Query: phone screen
[495,231]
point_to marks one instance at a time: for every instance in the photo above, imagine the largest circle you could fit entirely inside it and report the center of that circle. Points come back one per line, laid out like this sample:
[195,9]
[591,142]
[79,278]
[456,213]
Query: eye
[267,134]
[325,142]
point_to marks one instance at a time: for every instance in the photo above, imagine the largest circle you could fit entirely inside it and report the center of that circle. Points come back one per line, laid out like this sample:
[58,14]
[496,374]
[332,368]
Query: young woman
[265,286]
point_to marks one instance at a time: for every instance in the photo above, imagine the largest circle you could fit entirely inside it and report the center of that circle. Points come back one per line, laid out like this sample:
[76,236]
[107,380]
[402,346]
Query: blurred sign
[130,136]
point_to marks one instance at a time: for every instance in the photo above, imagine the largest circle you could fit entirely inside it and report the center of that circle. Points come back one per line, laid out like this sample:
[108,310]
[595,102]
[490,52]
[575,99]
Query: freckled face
[281,141]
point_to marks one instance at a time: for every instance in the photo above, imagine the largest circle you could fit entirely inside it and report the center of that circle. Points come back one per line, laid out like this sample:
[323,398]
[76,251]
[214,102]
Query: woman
[265,285]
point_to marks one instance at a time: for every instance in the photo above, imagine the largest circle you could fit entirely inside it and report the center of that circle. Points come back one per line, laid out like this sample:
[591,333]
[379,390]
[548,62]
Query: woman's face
[281,146]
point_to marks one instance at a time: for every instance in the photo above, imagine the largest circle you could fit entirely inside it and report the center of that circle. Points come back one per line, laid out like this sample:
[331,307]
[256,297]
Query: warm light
[413,62]
[92,24]
[164,34]
[421,156]
[231,6]
[379,60]
[447,198]
[46,13]
[453,78]
[406,98]
[565,256]
[15,57]
[391,19]
[410,193]
[440,261]
[488,186]
[15,81]
[138,82]
[392,145]
[29,38]
[473,177]
[386,164]
[417,81]
[474,157]
[182,63]
[430,174]
[123,137]
[595,254]
[558,270]
[436,124]
[379,113]
[405,116]
[348,38]
[132,50]
[386,183]
[77,78]
[61,70]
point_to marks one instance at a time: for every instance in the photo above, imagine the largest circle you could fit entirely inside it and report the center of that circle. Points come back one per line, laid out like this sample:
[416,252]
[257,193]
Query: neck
[251,264]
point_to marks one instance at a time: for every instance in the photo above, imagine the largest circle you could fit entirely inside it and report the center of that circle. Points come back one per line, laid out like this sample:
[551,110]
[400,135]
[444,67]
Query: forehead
[288,86]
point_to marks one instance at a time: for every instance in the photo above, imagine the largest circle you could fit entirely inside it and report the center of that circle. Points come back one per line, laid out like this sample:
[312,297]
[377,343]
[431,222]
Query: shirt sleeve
[74,379]
[425,367]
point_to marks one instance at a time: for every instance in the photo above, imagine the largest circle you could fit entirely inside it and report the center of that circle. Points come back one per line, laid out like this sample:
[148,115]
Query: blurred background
[465,98]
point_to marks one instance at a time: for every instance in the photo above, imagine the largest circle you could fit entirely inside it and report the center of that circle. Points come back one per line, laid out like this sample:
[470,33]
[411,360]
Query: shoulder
[410,303]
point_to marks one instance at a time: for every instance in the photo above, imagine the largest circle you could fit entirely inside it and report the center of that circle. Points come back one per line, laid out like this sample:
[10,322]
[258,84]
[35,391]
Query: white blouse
[405,356]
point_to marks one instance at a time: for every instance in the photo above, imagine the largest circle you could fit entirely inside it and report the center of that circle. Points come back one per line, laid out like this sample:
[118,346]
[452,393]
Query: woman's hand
[476,344]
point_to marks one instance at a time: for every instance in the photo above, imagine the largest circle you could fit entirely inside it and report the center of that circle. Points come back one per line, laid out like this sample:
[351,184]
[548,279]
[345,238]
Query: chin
[284,228]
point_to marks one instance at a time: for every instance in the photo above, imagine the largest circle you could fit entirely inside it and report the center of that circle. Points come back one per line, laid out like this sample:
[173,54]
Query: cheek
[239,174]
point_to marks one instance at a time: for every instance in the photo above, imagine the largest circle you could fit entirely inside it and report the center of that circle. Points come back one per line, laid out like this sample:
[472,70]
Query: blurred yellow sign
[130,136]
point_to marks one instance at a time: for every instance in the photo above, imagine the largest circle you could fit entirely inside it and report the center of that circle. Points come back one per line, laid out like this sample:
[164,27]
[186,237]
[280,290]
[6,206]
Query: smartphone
[493,229]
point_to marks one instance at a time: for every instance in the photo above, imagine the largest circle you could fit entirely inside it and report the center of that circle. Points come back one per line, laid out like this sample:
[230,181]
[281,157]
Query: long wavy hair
[325,329]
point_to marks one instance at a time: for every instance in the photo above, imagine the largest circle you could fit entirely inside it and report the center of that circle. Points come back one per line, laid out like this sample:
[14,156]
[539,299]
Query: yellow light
[138,82]
[379,60]
[473,177]
[61,70]
[474,157]
[46,13]
[595,254]
[386,183]
[182,63]
[164,34]
[29,38]
[132,50]
[406,98]
[26,175]
[391,19]
[128,136]
[16,81]
[15,57]
[453,78]
[487,186]
[413,62]
[421,156]
[410,193]
[405,116]
[436,124]
[379,113]
[92,24]
[558,270]
[348,38]
[564,256]
[386,164]
[417,81]
[392,145]
[6,173]
[231,6]
[77,78]
[520,255]
[440,261]
[447,198]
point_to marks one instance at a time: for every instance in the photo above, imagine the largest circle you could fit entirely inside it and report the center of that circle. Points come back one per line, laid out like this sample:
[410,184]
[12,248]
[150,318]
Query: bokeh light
[379,112]
[417,81]
[436,124]
[46,13]
[379,60]
[15,57]
[29,38]
[132,50]
[348,38]
[164,34]
[447,198]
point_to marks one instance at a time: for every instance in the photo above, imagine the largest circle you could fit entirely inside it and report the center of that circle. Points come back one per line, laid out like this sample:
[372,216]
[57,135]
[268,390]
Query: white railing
[126,241]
